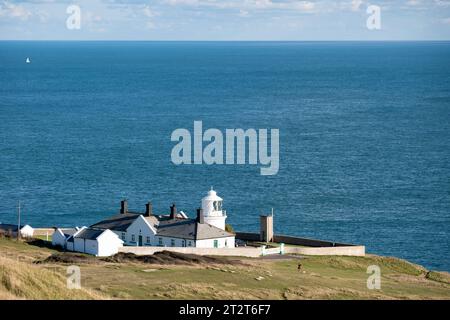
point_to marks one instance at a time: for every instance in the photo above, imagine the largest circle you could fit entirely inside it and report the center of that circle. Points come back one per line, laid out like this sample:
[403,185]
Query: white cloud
[182,2]
[414,3]
[356,4]
[247,5]
[243,13]
[42,15]
[148,12]
[287,5]
[12,10]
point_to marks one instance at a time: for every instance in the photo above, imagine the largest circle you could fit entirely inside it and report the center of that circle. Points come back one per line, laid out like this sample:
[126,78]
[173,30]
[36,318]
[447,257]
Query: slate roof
[165,226]
[68,231]
[190,229]
[89,234]
[119,222]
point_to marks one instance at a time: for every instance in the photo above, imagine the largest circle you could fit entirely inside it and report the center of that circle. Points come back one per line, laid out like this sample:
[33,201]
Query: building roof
[190,229]
[121,221]
[69,231]
[212,196]
[118,222]
[181,227]
[89,234]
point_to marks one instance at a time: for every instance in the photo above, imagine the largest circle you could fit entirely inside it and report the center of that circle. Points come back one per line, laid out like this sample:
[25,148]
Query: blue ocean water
[364,135]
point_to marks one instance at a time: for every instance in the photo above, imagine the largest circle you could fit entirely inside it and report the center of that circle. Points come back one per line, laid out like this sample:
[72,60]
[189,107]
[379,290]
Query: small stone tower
[266,228]
[212,210]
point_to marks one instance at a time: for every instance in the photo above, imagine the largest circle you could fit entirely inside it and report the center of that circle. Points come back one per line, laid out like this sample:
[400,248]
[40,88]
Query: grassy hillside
[19,280]
[35,275]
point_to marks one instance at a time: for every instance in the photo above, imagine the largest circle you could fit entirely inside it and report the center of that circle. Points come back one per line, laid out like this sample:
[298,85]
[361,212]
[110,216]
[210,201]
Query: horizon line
[146,40]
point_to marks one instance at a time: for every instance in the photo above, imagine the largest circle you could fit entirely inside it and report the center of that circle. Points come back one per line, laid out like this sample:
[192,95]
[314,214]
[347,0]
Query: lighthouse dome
[212,196]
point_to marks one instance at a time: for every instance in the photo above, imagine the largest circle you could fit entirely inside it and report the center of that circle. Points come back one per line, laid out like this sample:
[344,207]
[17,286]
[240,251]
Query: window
[148,239]
[226,243]
[172,242]
[133,238]
[217,205]
[216,243]
[160,242]
[123,236]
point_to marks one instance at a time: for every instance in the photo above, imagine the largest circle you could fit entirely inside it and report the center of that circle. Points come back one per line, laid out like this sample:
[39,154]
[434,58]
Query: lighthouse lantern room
[212,210]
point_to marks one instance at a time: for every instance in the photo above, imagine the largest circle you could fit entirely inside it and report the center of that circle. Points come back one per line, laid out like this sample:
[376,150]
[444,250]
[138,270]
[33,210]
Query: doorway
[140,241]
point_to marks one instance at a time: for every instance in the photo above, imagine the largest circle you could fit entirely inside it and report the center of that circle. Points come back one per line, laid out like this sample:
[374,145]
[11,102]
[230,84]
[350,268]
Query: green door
[216,243]
[140,241]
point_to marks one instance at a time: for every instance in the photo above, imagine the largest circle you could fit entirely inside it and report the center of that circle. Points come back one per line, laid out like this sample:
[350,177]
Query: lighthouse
[212,210]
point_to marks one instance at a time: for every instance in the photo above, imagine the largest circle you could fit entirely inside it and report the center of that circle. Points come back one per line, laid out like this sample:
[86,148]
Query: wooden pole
[18,224]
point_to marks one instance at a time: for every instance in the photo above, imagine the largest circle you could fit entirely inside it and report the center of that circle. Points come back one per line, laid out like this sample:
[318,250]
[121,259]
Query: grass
[20,280]
[44,237]
[320,277]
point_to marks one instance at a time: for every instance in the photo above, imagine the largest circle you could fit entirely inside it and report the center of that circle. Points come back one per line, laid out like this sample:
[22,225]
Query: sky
[224,20]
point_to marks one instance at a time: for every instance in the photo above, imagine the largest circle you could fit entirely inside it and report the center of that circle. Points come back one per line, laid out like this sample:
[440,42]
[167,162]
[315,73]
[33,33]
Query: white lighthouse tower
[212,210]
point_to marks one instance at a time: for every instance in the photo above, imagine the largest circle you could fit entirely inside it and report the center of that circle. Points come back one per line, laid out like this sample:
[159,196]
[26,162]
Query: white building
[26,231]
[62,235]
[101,243]
[207,230]
[98,242]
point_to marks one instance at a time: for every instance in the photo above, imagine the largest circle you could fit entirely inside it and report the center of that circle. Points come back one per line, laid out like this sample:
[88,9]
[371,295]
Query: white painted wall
[78,245]
[140,227]
[26,231]
[107,244]
[227,242]
[173,242]
[58,238]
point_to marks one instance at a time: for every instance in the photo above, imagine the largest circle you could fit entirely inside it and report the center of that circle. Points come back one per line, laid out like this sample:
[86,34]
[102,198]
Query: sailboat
[28,60]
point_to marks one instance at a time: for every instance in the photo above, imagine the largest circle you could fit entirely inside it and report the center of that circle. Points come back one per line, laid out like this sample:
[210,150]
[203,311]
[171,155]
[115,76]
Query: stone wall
[238,252]
[250,236]
[358,251]
[252,251]
[43,231]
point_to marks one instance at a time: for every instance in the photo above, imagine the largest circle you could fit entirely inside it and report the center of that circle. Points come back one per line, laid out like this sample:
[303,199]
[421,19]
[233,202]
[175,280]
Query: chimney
[148,209]
[123,206]
[200,217]
[173,212]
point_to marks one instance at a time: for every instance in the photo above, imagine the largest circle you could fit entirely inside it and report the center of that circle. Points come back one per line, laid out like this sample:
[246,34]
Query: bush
[229,228]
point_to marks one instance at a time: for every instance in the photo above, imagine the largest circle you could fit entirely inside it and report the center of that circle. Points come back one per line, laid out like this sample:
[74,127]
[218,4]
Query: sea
[364,136]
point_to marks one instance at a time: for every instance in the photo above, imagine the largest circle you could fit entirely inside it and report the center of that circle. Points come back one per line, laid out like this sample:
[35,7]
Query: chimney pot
[200,217]
[148,209]
[123,206]
[173,212]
